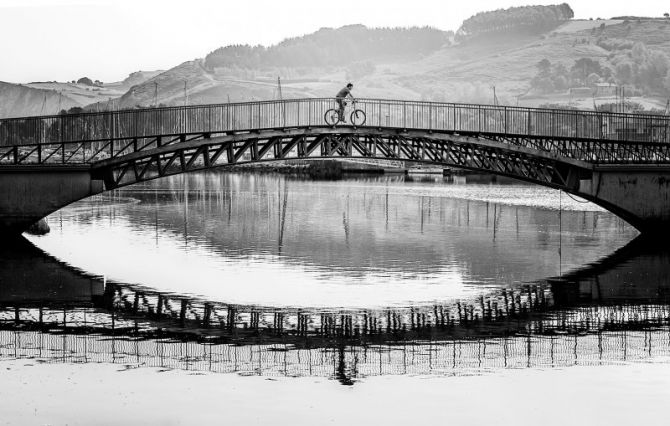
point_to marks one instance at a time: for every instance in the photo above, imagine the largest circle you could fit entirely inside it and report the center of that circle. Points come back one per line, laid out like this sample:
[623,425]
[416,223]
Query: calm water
[168,296]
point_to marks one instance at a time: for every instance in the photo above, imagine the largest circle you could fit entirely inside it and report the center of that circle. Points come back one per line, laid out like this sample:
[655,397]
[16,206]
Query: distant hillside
[51,97]
[19,101]
[579,64]
[493,67]
[313,65]
[81,93]
[191,83]
[341,46]
[139,77]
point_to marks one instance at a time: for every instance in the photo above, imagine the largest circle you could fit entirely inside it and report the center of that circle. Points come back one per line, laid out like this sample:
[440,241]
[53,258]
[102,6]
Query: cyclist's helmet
[350,85]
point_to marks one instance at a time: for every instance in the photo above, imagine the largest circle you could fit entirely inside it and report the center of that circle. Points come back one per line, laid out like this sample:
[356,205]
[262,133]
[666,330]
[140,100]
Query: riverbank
[317,169]
[335,169]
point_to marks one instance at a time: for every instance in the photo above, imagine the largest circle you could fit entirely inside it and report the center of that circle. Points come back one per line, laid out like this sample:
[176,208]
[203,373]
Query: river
[387,299]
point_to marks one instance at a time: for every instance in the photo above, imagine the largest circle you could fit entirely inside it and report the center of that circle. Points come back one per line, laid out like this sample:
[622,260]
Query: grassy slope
[80,93]
[20,101]
[50,97]
[467,73]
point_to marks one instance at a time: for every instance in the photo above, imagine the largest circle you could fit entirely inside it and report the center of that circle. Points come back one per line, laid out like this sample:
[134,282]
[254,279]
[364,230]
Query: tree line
[334,47]
[527,19]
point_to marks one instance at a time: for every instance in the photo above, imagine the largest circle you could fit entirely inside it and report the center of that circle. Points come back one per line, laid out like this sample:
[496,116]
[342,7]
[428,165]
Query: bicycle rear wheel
[358,117]
[332,117]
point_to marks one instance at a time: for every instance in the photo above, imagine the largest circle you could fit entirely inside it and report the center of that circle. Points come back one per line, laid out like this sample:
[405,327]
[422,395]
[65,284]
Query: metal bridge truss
[596,151]
[137,161]
[554,162]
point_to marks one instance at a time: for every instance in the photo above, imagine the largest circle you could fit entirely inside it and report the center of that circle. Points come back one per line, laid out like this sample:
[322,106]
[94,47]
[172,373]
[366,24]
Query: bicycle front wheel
[358,117]
[332,117]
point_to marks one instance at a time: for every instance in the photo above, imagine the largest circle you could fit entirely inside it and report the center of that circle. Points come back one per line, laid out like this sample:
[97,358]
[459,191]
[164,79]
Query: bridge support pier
[638,194]
[28,194]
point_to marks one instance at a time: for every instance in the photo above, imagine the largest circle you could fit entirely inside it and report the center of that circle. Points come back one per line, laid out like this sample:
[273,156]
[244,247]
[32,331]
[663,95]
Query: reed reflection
[603,313]
[354,243]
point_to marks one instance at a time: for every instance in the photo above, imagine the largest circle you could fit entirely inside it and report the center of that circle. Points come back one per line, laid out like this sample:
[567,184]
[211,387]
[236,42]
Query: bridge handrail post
[430,116]
[309,114]
[209,119]
[479,118]
[404,114]
[505,119]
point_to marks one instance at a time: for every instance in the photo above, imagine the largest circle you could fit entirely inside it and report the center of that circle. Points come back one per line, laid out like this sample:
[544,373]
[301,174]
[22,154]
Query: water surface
[280,241]
[382,300]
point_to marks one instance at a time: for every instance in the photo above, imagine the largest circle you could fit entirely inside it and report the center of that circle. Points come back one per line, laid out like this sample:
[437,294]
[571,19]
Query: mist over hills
[528,56]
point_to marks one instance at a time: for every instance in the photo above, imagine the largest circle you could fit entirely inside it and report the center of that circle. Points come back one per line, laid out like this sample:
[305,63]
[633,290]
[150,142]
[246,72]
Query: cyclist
[340,98]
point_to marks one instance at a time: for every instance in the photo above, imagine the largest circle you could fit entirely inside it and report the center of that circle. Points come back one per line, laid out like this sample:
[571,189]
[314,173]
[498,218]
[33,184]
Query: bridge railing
[219,118]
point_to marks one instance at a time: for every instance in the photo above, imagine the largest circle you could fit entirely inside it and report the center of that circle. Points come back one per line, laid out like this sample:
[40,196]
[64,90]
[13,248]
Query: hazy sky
[108,39]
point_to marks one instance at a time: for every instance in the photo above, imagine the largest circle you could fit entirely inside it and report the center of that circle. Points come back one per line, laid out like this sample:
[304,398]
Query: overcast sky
[108,39]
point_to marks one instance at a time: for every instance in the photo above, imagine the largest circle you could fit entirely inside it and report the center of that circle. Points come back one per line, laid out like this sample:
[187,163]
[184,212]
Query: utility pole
[281,98]
[279,88]
[620,99]
[155,93]
[185,95]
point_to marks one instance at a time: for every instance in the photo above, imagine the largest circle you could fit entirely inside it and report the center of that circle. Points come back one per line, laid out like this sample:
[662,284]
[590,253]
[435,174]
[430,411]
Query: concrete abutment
[640,195]
[30,193]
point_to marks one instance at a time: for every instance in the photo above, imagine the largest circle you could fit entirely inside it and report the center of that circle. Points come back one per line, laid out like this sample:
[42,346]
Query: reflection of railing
[498,313]
[219,118]
[590,336]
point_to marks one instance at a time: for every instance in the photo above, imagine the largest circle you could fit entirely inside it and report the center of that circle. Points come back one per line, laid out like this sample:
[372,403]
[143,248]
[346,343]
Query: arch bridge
[618,161]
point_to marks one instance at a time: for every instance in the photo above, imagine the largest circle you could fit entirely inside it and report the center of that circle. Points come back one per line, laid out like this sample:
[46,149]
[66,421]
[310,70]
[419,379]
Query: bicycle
[357,117]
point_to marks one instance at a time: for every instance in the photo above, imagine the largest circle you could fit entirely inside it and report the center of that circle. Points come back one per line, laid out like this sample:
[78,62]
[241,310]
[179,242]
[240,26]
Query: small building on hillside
[581,92]
[605,89]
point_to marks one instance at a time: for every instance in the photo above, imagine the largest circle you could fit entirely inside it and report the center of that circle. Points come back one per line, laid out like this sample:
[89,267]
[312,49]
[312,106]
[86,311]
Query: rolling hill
[17,100]
[491,68]
[51,97]
[559,61]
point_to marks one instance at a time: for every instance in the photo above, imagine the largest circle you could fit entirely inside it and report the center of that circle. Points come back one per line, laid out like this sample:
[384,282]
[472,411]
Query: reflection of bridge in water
[591,317]
[623,334]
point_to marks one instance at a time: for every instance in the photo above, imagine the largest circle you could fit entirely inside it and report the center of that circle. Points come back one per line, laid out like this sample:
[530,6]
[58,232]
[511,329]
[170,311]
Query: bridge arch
[618,161]
[439,149]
